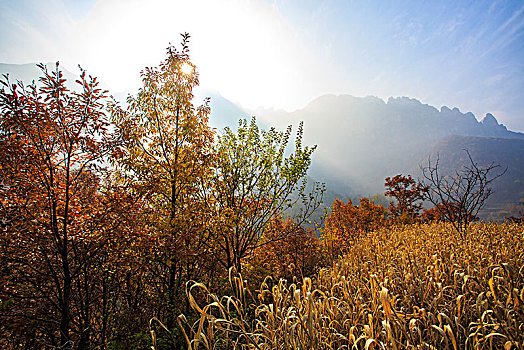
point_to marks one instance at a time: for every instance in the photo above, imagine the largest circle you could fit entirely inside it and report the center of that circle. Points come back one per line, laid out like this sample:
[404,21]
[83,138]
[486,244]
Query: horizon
[285,54]
[204,92]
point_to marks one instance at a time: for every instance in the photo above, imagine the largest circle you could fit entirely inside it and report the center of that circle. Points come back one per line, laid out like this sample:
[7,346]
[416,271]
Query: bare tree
[460,196]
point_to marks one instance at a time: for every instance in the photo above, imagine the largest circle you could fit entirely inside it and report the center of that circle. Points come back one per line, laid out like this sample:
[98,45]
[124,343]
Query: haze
[283,54]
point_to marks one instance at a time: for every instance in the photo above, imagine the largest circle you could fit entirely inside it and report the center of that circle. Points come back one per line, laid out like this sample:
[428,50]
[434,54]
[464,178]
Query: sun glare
[187,69]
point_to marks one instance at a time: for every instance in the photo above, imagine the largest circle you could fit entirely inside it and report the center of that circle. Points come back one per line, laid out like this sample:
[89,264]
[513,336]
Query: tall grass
[418,287]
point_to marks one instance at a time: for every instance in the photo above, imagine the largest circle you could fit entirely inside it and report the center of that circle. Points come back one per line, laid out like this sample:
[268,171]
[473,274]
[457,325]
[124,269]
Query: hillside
[363,140]
[509,153]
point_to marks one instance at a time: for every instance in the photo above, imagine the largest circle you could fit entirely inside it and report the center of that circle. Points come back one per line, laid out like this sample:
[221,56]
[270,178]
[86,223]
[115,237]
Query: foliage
[254,181]
[408,195]
[417,286]
[298,254]
[54,208]
[346,223]
[167,161]
[103,220]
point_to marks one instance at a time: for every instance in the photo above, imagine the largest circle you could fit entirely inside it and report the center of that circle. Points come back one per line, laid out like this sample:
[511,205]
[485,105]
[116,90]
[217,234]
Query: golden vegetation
[418,286]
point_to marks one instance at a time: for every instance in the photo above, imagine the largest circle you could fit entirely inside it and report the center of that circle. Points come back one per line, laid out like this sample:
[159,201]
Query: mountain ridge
[363,140]
[508,154]
[488,126]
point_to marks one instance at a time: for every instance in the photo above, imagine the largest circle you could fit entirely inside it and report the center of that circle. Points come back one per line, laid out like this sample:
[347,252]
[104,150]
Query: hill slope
[363,140]
[508,153]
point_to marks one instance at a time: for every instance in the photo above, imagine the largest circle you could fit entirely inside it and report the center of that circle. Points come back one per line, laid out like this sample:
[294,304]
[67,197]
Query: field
[418,286]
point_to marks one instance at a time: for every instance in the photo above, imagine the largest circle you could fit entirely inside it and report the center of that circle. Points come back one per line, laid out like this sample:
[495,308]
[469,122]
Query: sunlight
[187,69]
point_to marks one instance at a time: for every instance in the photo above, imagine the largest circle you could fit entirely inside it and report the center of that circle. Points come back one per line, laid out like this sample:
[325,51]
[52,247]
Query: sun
[186,68]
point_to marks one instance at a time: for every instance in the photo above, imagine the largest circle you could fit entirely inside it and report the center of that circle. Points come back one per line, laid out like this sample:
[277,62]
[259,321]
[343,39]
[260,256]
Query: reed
[417,286]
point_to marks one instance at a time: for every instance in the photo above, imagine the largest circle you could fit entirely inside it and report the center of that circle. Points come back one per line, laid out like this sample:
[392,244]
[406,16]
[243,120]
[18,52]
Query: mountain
[508,153]
[29,72]
[363,140]
[223,112]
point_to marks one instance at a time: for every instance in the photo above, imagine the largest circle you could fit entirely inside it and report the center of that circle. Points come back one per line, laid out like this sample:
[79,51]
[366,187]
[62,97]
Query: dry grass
[414,287]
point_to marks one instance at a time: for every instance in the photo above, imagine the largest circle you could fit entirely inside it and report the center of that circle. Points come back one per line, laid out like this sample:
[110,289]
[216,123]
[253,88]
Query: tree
[298,254]
[515,212]
[347,222]
[516,219]
[53,147]
[255,181]
[167,158]
[460,196]
[408,195]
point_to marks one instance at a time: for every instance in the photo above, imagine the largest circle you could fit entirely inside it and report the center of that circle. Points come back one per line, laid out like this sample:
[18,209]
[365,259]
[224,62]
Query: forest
[138,226]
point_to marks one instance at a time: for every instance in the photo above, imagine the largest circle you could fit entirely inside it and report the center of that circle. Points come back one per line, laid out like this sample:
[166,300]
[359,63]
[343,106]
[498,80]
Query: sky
[282,54]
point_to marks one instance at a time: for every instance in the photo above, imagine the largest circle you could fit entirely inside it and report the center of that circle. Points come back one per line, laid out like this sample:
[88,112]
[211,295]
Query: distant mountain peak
[490,120]
[403,100]
[454,110]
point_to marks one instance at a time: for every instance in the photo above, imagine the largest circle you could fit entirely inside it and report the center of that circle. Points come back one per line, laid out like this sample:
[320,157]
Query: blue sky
[283,54]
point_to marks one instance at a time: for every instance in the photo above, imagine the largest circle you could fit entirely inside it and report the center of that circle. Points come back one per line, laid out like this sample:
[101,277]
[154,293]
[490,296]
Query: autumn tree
[432,214]
[298,254]
[167,158]
[515,212]
[408,195]
[53,148]
[255,180]
[459,196]
[347,222]
[516,219]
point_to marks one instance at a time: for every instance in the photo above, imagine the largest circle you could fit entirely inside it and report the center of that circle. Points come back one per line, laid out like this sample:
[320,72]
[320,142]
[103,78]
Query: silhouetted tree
[459,196]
